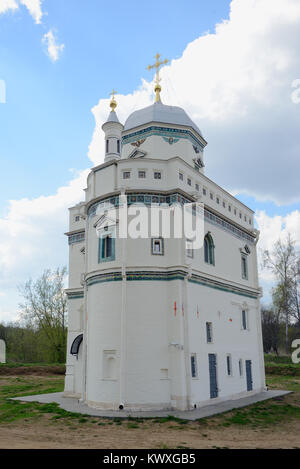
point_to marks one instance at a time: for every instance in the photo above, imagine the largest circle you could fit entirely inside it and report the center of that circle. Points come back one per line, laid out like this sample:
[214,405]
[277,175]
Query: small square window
[211,196]
[157,175]
[157,246]
[197,187]
[126,174]
[180,176]
[194,371]
[189,181]
[142,174]
[164,373]
[77,218]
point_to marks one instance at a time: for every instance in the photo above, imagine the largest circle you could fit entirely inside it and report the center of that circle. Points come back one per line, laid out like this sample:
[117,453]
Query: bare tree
[282,261]
[45,309]
[295,292]
[270,329]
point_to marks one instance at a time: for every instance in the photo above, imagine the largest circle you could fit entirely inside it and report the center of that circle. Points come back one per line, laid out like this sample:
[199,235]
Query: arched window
[75,345]
[209,249]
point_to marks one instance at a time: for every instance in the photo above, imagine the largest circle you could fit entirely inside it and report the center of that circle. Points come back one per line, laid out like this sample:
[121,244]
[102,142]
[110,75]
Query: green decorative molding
[169,276]
[75,296]
[162,132]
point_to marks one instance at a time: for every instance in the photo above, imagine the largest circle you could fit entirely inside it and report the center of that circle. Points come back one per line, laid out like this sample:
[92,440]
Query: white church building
[153,322]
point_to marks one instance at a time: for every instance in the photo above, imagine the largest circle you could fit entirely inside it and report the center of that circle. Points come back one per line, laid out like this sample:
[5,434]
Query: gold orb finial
[157,65]
[113,102]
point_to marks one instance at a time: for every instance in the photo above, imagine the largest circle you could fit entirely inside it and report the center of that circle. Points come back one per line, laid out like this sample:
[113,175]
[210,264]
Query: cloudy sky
[234,67]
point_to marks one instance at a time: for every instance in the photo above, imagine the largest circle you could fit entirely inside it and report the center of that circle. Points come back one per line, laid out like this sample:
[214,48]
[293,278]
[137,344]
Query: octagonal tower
[153,322]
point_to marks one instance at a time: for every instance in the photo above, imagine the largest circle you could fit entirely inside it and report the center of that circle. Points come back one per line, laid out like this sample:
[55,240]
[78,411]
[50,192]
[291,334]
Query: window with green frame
[106,247]
[209,249]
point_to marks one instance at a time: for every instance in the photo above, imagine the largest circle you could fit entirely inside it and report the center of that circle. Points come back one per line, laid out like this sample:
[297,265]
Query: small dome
[159,112]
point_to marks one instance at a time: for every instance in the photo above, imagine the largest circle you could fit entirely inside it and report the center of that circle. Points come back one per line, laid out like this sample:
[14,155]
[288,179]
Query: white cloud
[54,50]
[7,317]
[32,238]
[6,5]
[236,83]
[273,228]
[34,7]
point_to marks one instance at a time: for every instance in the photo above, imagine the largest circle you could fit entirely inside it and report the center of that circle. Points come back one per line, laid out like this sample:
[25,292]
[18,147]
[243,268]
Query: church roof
[162,113]
[112,117]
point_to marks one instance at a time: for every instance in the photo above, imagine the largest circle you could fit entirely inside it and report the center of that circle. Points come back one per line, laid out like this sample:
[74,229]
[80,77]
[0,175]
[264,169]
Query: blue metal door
[212,360]
[249,375]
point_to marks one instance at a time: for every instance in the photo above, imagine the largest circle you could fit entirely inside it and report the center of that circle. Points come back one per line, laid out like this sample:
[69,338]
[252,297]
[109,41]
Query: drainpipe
[122,395]
[85,317]
[186,343]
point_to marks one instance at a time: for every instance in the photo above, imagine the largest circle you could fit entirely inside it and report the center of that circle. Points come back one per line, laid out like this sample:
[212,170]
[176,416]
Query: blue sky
[47,121]
[232,66]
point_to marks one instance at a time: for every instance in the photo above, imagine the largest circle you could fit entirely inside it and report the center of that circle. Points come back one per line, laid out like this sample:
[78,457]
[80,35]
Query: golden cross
[157,65]
[113,103]
[113,93]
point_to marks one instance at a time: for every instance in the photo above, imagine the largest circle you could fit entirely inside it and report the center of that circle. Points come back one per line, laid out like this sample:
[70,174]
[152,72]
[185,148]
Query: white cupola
[113,130]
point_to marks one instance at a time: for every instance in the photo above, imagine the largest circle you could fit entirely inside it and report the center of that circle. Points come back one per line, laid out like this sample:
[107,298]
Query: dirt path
[54,430]
[168,435]
[32,370]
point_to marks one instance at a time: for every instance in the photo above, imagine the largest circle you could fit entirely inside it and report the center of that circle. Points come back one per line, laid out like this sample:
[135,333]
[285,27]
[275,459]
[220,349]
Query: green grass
[281,365]
[171,418]
[266,413]
[282,369]
[132,425]
[271,358]
[288,383]
[27,386]
[263,414]
[11,411]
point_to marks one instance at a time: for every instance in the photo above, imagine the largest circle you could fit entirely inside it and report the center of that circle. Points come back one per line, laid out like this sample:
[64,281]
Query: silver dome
[159,112]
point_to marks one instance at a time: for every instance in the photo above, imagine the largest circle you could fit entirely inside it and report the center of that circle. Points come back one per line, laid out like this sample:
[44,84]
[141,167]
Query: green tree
[44,310]
[295,292]
[270,329]
[282,261]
